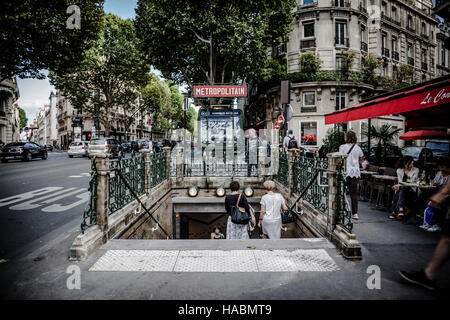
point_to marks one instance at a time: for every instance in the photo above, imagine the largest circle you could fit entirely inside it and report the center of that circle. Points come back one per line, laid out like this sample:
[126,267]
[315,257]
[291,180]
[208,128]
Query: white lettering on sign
[441,95]
[220,91]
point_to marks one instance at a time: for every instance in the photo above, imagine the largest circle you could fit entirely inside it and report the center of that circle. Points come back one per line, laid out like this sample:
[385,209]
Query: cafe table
[418,185]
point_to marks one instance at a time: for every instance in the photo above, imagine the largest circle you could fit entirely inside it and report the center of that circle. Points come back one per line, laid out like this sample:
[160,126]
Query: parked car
[157,146]
[48,147]
[142,144]
[126,146]
[78,149]
[168,143]
[104,145]
[439,148]
[25,151]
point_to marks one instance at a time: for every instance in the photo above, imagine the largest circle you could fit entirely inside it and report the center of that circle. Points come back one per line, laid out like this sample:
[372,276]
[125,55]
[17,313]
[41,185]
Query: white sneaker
[434,228]
[424,226]
[355,216]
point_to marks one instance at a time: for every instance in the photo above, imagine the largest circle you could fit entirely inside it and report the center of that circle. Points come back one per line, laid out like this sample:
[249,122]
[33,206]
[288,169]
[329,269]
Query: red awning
[423,134]
[408,100]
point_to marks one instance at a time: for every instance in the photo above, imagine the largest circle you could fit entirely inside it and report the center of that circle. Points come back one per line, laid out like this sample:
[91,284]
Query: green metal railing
[90,212]
[344,216]
[304,169]
[158,168]
[133,170]
[283,169]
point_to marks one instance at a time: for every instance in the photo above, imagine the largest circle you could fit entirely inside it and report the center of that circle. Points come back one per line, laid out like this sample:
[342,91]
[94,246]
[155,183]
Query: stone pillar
[274,160]
[102,165]
[179,163]
[334,161]
[262,161]
[167,151]
[148,169]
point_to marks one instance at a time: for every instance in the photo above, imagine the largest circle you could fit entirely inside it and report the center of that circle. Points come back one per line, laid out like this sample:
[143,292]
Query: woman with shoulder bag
[234,201]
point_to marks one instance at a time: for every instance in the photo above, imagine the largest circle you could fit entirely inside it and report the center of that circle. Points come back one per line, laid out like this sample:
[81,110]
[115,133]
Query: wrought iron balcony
[364,46]
[411,61]
[343,42]
[385,17]
[362,9]
[395,56]
[396,22]
[425,36]
[308,44]
[385,52]
[424,66]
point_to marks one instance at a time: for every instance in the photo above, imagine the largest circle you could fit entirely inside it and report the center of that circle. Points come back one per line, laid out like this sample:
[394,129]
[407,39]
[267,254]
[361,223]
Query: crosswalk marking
[27,195]
[85,174]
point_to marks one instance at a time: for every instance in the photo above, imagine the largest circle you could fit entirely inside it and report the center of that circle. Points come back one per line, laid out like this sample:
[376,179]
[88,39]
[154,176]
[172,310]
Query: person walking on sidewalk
[427,277]
[290,142]
[236,231]
[355,157]
[270,217]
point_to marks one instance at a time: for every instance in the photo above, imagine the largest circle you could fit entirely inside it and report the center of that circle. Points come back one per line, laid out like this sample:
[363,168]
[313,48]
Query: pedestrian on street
[354,157]
[270,217]
[427,277]
[236,231]
[290,142]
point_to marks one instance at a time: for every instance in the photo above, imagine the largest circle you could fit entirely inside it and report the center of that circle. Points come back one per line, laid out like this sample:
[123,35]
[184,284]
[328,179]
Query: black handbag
[239,215]
[287,217]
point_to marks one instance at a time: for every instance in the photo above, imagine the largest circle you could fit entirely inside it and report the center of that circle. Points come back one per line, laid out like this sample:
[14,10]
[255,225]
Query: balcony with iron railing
[341,42]
[385,52]
[396,22]
[362,9]
[411,61]
[280,50]
[385,17]
[395,55]
[364,46]
[425,36]
[311,43]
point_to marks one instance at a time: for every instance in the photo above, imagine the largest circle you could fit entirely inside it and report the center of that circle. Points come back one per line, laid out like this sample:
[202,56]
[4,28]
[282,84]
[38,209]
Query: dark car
[440,149]
[25,151]
[421,155]
[168,143]
[48,147]
[126,146]
[134,145]
[385,157]
[157,146]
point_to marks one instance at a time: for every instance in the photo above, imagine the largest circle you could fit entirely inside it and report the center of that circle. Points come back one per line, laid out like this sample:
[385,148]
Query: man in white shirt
[355,156]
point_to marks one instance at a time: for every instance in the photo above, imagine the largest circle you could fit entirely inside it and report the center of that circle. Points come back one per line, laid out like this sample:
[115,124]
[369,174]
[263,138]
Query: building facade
[396,32]
[9,111]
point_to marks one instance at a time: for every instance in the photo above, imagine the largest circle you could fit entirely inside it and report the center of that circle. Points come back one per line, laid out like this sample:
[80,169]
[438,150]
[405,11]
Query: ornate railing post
[148,167]
[334,163]
[103,171]
[167,151]
[291,158]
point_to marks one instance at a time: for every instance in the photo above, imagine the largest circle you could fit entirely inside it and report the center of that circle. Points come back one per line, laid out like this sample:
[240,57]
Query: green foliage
[405,76]
[369,64]
[241,32]
[110,76]
[191,118]
[384,135]
[347,59]
[309,64]
[35,36]
[157,101]
[23,119]
[332,141]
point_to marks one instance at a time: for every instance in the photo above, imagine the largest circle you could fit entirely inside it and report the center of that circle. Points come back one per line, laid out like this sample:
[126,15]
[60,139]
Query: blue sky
[35,93]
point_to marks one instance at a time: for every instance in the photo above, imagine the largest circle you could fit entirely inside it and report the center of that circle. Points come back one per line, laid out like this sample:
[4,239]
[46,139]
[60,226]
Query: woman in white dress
[270,217]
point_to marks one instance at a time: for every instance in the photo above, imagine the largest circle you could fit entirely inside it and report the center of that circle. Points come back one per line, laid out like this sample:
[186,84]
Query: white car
[78,149]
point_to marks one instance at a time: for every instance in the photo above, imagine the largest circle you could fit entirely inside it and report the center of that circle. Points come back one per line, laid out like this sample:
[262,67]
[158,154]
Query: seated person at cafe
[404,196]
[442,176]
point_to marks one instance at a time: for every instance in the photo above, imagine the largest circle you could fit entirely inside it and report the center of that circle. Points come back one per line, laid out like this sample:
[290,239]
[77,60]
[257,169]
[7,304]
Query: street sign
[280,119]
[277,126]
[220,91]
[26,129]
[150,122]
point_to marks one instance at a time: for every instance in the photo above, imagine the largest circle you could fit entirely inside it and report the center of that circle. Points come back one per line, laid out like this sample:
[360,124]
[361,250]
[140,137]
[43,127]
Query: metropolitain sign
[220,91]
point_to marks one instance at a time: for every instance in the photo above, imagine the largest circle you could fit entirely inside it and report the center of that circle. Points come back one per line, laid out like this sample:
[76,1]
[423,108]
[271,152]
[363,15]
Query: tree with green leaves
[385,136]
[110,77]
[309,64]
[23,118]
[240,34]
[369,64]
[333,140]
[34,36]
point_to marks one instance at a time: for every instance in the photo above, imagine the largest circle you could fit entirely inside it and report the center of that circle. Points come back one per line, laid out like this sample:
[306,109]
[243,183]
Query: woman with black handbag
[237,207]
[270,217]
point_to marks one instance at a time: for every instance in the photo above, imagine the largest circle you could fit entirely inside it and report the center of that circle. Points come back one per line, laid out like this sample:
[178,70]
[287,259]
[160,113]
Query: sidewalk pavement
[391,245]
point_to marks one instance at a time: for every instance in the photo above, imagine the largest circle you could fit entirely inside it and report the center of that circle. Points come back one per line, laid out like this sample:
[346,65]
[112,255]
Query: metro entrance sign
[220,91]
